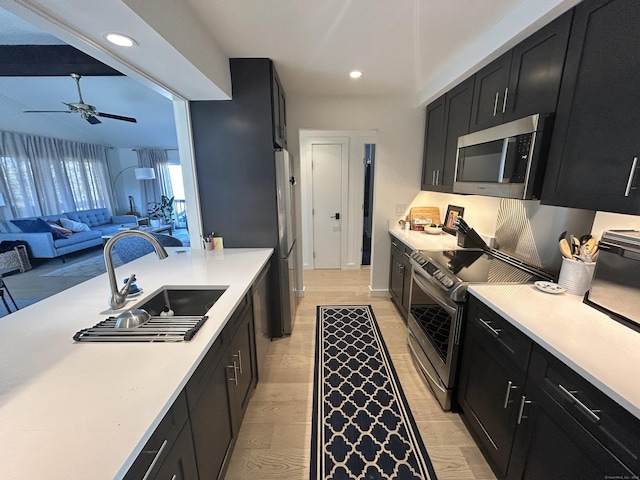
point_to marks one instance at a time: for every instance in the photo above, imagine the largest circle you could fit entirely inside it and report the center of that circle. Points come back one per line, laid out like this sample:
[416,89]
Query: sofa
[66,233]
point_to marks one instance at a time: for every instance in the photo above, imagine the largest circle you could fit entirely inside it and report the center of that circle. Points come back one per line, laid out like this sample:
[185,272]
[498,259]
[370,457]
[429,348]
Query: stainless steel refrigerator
[285,185]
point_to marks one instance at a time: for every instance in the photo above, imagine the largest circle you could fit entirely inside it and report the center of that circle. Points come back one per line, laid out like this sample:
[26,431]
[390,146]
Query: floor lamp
[140,174]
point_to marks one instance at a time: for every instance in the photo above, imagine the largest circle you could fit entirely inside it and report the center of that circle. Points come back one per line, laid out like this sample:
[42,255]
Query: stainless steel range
[438,293]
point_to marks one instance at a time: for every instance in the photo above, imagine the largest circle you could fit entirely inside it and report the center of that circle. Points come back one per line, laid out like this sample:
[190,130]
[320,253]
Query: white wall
[613,221]
[398,164]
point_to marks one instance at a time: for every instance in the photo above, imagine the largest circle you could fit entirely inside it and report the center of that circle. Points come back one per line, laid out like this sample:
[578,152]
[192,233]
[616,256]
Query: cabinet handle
[510,386]
[175,477]
[627,191]
[433,177]
[235,373]
[523,402]
[569,394]
[394,243]
[239,356]
[155,460]
[485,324]
[407,255]
[437,177]
[495,104]
[504,102]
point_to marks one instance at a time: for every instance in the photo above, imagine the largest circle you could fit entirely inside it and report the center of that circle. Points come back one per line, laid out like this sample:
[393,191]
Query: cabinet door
[490,384]
[211,423]
[457,118]
[489,93]
[406,279]
[595,141]
[536,70]
[240,369]
[434,135]
[551,444]
[279,113]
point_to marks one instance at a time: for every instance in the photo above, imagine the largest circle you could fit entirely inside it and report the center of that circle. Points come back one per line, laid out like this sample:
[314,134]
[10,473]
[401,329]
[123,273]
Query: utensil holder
[576,276]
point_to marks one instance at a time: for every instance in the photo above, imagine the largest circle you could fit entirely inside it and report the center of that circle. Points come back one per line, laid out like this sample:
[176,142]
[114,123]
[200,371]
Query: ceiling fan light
[120,40]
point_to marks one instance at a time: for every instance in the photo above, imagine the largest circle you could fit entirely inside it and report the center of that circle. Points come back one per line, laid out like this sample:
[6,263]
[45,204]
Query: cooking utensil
[575,245]
[565,248]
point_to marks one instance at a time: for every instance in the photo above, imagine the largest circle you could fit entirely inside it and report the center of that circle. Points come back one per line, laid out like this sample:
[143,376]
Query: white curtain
[45,176]
[152,190]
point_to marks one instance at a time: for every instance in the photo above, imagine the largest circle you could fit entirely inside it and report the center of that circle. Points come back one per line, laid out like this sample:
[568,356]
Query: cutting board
[428,214]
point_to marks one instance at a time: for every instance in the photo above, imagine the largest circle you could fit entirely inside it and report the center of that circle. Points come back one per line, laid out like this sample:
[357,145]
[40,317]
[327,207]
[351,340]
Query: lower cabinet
[533,416]
[169,452]
[400,275]
[197,435]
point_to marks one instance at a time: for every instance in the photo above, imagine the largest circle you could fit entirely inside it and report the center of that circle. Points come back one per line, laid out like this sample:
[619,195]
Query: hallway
[274,440]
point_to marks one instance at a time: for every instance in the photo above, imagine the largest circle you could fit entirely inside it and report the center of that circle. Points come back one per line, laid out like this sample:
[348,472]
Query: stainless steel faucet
[119,297]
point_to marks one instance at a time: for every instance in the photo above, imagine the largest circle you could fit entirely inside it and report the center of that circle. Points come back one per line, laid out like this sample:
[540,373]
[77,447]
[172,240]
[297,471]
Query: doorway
[367,203]
[349,227]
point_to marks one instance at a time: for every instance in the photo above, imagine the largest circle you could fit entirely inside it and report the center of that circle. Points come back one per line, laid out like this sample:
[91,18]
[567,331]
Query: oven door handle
[436,382]
[452,310]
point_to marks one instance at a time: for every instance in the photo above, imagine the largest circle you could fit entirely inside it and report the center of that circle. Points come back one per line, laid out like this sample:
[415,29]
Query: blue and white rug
[362,426]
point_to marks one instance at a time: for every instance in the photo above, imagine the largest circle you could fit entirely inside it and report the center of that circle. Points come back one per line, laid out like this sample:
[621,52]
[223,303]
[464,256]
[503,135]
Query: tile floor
[275,439]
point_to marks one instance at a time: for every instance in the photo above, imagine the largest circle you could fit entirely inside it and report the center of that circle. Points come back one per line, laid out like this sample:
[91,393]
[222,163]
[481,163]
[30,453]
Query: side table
[5,272]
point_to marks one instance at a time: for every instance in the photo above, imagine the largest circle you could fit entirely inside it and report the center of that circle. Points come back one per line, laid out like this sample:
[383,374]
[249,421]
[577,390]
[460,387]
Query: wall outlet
[400,209]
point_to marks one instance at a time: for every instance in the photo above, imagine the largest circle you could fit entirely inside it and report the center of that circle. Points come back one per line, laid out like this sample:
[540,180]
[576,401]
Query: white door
[327,205]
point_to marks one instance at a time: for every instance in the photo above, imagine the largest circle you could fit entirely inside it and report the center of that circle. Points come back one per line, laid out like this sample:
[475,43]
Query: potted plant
[161,212]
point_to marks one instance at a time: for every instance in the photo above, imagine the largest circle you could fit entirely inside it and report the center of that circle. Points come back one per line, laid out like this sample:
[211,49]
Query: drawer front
[507,338]
[611,424]
[157,448]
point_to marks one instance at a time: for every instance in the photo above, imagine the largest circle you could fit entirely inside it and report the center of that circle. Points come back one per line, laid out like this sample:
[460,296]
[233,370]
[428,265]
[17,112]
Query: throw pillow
[37,225]
[74,226]
[61,229]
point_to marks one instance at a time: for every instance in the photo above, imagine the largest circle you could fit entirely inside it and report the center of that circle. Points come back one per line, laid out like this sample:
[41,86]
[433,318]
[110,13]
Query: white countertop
[602,350]
[83,410]
[425,241]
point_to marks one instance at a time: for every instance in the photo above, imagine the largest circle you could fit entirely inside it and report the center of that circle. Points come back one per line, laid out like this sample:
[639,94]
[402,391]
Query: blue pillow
[37,225]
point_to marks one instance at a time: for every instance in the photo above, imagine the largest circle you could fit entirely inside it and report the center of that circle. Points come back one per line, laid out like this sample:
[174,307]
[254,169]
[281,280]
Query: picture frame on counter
[453,212]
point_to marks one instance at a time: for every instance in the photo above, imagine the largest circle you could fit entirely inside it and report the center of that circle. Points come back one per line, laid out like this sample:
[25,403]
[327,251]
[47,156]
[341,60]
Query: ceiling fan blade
[117,117]
[92,120]
[46,111]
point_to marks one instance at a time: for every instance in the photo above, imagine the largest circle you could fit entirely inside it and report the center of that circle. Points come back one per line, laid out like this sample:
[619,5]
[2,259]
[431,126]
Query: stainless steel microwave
[506,161]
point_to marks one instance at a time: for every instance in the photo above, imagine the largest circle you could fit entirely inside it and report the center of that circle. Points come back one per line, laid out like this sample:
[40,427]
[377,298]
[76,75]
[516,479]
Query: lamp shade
[144,173]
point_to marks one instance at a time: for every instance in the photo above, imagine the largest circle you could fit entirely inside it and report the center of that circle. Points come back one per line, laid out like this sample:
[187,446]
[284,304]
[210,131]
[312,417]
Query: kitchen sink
[188,301]
[188,304]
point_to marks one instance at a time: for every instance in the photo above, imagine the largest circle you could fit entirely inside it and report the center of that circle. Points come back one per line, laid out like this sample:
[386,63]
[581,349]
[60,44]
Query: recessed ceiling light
[120,40]
[355,74]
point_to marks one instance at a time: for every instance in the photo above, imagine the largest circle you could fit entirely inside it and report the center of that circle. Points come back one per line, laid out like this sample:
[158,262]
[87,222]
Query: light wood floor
[275,438]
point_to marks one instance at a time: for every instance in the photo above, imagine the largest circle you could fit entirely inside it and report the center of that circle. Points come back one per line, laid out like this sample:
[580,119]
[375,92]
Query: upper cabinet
[447,119]
[523,81]
[593,159]
[279,105]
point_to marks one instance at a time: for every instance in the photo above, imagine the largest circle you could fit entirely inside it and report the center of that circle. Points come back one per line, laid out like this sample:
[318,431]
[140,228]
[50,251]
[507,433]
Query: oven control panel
[432,270]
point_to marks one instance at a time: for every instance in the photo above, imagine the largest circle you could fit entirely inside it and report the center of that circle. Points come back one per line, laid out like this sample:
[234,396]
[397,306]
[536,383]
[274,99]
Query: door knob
[336,216]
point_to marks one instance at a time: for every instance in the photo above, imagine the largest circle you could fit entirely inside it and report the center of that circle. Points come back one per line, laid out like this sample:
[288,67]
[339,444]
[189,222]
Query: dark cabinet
[594,150]
[569,429]
[279,107]
[447,119]
[492,379]
[523,81]
[533,416]
[169,452]
[240,366]
[400,275]
[207,392]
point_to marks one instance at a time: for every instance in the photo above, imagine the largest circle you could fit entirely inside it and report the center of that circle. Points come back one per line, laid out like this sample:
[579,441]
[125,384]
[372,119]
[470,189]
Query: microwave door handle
[503,160]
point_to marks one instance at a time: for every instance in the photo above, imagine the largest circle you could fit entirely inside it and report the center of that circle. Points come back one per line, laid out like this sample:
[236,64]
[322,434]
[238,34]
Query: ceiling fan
[86,111]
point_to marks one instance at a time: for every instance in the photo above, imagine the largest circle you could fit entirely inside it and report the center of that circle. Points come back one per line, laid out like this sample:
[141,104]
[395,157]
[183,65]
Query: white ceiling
[416,47]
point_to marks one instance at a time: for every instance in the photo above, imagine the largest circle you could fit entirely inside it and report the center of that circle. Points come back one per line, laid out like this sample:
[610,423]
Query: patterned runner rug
[362,427]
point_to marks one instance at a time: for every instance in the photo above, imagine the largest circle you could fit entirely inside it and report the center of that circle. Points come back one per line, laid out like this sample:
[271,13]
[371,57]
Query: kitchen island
[73,410]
